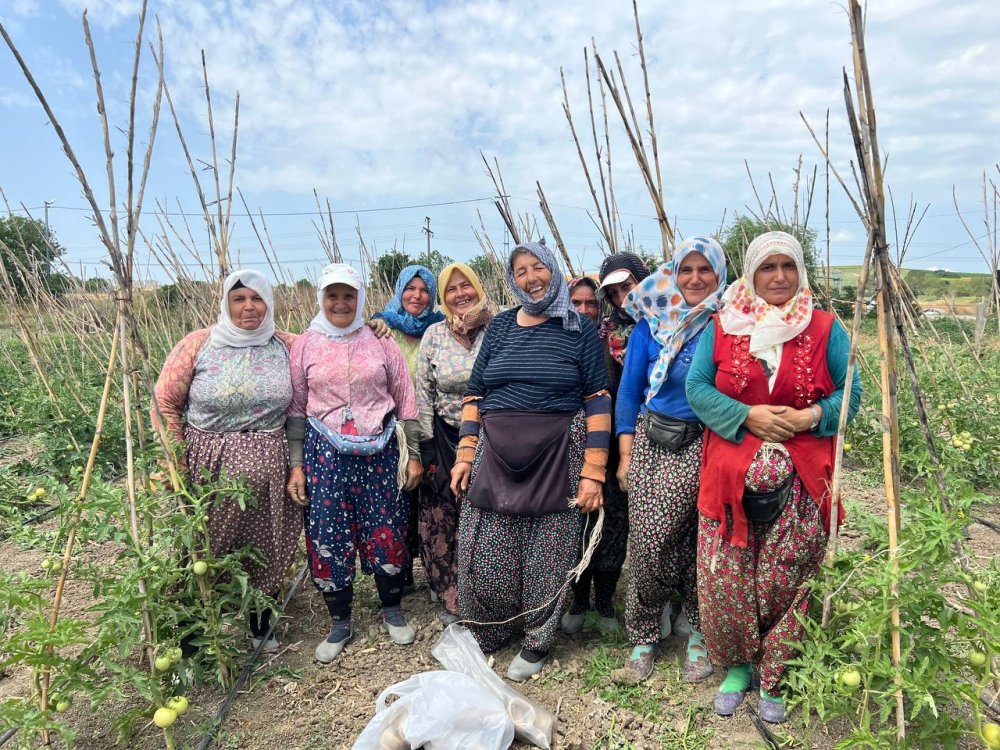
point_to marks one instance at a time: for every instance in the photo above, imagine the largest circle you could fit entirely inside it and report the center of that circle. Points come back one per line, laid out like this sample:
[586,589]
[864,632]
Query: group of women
[484,445]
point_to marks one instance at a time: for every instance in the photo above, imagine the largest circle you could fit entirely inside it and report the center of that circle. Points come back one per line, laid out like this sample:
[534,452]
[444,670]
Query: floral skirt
[663,534]
[750,600]
[270,521]
[509,565]
[355,510]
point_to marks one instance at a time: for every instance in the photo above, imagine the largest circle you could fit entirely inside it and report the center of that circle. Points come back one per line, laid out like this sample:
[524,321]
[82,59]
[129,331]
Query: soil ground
[296,704]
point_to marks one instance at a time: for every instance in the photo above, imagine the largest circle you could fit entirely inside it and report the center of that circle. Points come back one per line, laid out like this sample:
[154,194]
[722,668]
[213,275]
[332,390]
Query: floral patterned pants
[663,534]
[749,603]
[509,565]
[355,509]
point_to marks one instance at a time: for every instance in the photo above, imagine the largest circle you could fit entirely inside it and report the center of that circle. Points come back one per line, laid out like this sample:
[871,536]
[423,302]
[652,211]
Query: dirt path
[296,704]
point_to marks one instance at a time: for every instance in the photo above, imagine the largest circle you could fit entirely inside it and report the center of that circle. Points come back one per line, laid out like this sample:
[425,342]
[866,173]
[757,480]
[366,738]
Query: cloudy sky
[385,105]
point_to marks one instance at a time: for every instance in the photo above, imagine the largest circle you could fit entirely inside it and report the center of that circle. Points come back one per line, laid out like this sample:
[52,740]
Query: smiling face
[340,304]
[776,280]
[460,295]
[696,278]
[246,308]
[531,275]
[416,296]
[585,301]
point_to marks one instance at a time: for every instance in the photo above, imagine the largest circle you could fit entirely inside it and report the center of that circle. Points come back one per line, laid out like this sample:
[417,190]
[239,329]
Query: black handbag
[671,433]
[765,507]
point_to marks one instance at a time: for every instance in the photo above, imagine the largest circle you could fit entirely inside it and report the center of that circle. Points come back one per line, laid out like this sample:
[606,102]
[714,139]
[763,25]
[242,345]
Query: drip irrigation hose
[227,705]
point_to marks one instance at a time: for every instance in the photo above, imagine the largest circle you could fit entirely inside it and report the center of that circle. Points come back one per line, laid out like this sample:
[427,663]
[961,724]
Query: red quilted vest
[803,378]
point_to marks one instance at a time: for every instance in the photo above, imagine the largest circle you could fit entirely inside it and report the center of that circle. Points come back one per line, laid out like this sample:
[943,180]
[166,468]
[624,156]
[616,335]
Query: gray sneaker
[332,647]
[400,631]
[572,623]
[727,703]
[521,669]
[771,711]
[271,645]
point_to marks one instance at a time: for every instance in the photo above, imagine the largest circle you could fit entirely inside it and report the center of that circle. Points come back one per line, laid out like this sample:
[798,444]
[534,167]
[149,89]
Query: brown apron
[524,463]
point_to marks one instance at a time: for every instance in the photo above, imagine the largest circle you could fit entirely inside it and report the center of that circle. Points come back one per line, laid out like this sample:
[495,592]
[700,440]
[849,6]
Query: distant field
[934,287]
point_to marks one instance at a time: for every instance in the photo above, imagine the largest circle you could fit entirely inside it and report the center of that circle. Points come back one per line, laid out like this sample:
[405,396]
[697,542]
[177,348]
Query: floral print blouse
[225,389]
[443,370]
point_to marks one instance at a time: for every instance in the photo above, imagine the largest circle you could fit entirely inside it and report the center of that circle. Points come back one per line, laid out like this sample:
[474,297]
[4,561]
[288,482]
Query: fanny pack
[524,463]
[356,445]
[765,507]
[671,433]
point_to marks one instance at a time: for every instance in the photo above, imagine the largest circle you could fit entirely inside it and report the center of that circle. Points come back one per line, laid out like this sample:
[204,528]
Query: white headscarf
[338,273]
[226,332]
[745,313]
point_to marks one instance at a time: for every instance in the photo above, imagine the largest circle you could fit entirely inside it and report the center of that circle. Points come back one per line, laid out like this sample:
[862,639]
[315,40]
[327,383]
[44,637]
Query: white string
[571,575]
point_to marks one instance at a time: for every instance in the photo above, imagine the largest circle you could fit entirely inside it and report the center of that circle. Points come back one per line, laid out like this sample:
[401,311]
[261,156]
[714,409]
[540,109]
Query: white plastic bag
[438,711]
[458,651]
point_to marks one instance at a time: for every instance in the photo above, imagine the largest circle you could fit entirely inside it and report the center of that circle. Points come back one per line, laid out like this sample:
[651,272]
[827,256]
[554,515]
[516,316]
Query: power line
[313,212]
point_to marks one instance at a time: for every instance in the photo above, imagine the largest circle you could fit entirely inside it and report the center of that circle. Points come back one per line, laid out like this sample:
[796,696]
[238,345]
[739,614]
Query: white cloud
[390,102]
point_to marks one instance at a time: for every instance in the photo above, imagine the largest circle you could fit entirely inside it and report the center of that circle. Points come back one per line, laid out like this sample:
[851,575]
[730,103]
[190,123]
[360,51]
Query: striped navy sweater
[540,368]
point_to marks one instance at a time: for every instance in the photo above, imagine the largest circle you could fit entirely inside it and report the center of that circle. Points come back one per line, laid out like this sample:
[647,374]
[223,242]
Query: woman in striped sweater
[532,453]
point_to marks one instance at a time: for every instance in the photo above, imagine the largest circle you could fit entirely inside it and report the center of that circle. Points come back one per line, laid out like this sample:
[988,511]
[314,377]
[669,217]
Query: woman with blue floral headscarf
[659,439]
[407,315]
[532,452]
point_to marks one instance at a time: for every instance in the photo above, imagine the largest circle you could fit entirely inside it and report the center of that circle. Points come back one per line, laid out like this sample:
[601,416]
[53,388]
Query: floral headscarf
[464,327]
[672,321]
[556,302]
[747,314]
[398,318]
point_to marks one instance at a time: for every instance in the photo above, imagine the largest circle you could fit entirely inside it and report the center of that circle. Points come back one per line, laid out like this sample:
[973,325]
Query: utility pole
[48,235]
[427,230]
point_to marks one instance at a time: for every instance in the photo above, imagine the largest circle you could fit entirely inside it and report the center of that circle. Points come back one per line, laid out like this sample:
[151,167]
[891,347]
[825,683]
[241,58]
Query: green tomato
[46,564]
[976,658]
[981,587]
[174,655]
[164,717]
[162,663]
[200,568]
[39,492]
[178,704]
[62,706]
[850,678]
[991,733]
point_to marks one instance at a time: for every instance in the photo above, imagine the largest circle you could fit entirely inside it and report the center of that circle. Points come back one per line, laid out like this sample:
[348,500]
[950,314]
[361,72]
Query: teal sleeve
[838,348]
[720,413]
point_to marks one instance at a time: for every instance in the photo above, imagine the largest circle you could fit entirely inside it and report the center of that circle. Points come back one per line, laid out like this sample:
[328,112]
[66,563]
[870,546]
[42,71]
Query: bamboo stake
[547,213]
[838,463]
[88,473]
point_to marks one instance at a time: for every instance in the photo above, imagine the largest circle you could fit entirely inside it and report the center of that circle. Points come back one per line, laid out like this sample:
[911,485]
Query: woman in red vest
[768,382]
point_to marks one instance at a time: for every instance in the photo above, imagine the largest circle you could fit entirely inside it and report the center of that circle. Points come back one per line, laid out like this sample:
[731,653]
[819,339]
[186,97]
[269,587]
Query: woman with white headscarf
[768,381]
[534,438]
[225,390]
[659,441]
[349,390]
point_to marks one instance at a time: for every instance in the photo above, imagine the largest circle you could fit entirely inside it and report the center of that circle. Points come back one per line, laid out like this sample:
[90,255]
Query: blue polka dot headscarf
[672,321]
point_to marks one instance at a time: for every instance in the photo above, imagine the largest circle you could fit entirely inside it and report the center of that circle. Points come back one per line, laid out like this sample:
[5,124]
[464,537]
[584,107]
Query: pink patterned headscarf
[745,313]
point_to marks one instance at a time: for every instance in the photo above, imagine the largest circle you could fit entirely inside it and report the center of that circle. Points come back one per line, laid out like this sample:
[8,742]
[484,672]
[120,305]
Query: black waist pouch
[765,507]
[524,463]
[671,433]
